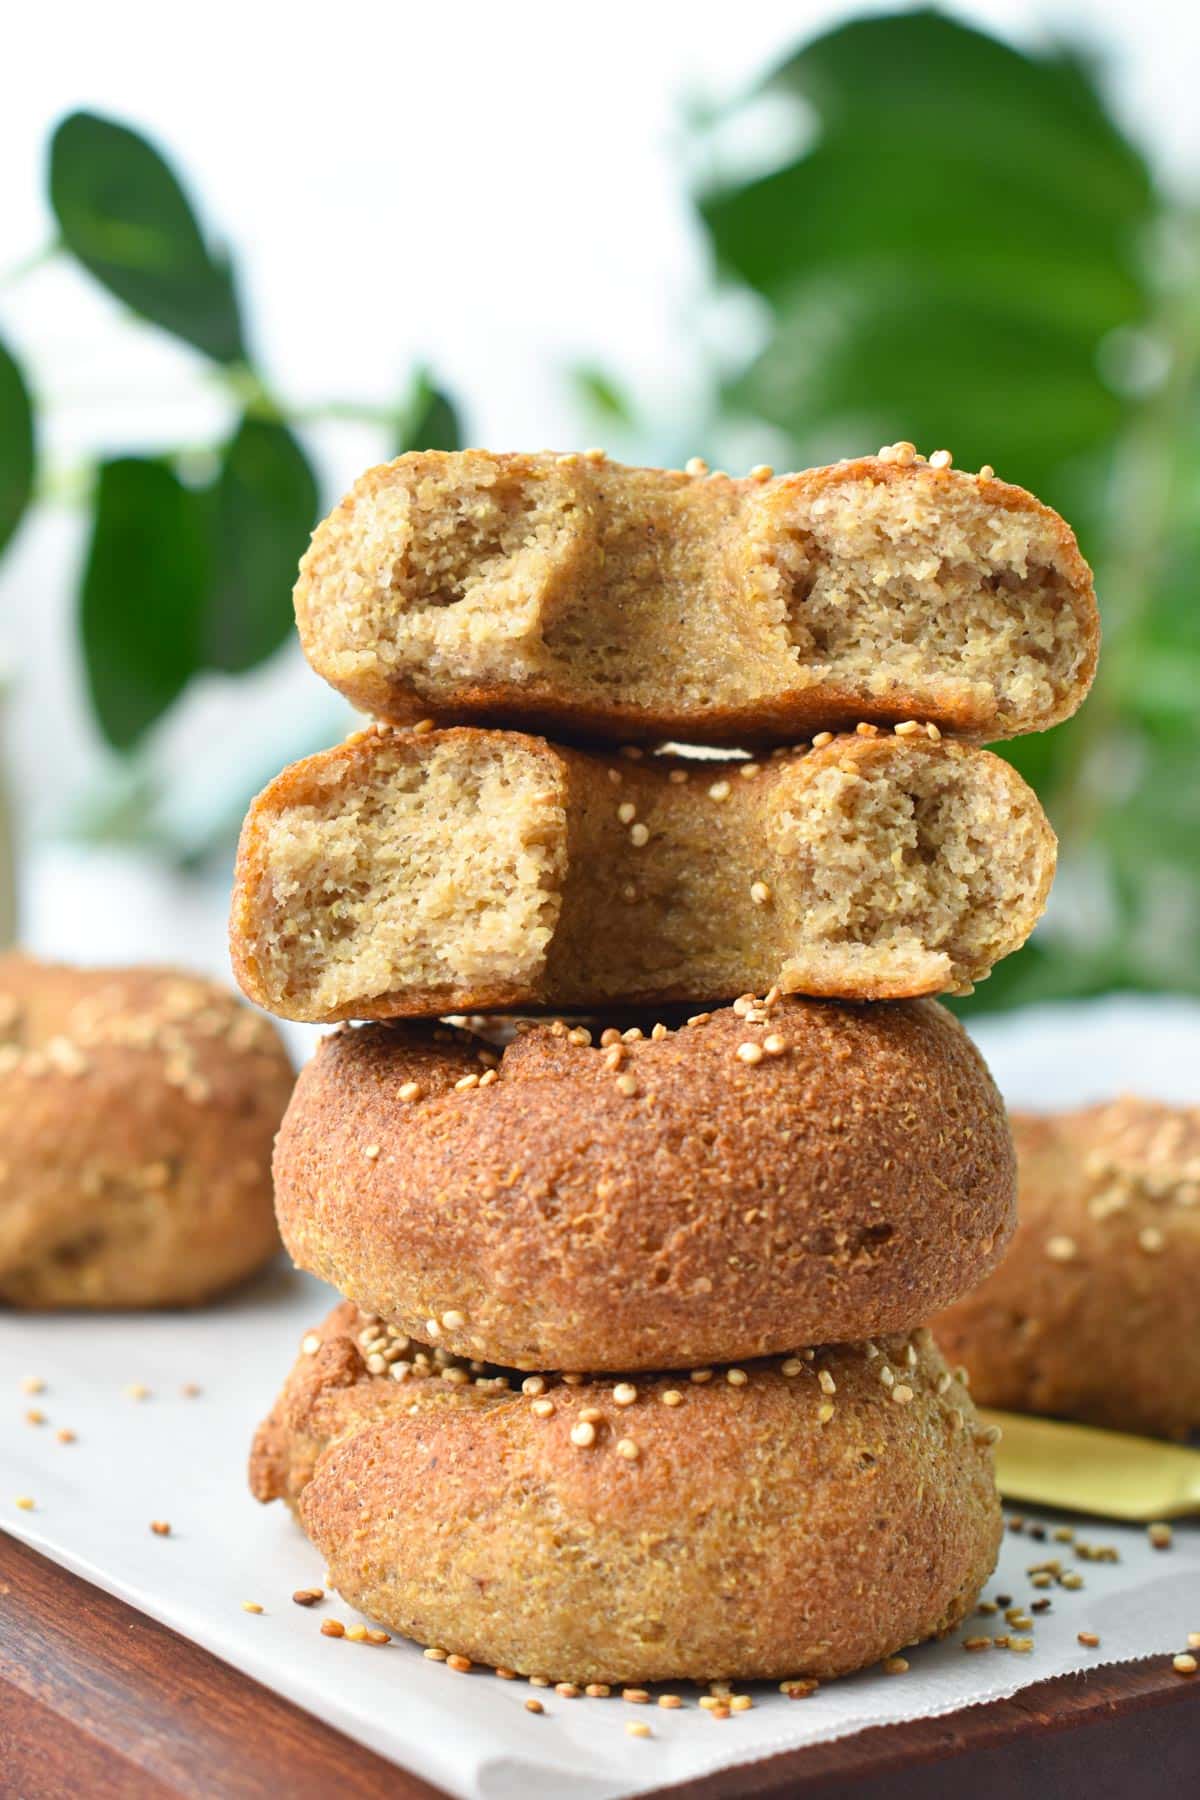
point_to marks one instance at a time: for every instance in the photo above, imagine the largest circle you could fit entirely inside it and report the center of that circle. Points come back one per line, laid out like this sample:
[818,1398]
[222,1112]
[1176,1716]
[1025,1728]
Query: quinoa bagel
[793,1518]
[418,873]
[780,1172]
[570,595]
[137,1111]
[1092,1314]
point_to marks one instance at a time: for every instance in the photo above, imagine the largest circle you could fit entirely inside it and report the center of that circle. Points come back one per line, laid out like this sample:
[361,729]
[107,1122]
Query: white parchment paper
[182,1459]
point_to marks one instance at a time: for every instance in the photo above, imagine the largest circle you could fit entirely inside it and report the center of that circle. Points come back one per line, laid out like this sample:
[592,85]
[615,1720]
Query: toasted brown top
[572,595]
[777,1172]
[137,1111]
[1092,1314]
[800,1517]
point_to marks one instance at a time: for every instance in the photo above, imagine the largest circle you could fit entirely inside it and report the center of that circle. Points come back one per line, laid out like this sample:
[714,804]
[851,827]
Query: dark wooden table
[98,1702]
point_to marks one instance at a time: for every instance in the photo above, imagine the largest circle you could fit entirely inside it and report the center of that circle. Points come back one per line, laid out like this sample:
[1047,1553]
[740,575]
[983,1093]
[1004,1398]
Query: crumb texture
[1092,1313]
[784,1519]
[405,874]
[439,873]
[587,598]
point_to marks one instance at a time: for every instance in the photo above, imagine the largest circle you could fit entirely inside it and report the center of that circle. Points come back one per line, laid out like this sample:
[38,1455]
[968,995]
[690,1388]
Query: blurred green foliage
[183,572]
[966,250]
[962,247]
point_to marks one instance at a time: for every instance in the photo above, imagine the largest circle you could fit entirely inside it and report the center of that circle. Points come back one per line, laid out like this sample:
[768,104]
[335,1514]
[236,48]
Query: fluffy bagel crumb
[394,876]
[585,598]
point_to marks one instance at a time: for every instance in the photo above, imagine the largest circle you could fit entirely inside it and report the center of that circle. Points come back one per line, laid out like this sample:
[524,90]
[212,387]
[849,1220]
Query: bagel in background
[137,1112]
[1092,1314]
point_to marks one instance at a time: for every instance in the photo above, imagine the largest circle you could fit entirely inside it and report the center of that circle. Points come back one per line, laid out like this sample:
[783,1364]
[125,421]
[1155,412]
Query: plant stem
[28,264]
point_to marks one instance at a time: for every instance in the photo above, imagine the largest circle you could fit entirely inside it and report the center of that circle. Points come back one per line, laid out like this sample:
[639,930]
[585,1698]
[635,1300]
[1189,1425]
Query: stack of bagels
[655,1151]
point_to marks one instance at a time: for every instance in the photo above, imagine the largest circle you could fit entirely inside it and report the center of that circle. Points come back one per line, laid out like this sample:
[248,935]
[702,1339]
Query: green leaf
[266,505]
[603,396]
[430,419]
[142,596]
[17,453]
[968,252]
[944,261]
[123,215]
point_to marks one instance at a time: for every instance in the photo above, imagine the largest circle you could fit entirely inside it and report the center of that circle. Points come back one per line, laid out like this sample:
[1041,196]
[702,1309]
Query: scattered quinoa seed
[1088,1638]
[335,1628]
[251,1606]
[160,1527]
[1160,1534]
[534,1706]
[1184,1663]
[638,1728]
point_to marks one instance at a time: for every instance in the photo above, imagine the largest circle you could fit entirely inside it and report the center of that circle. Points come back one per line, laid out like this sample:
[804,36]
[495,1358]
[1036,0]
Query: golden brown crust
[845,1184]
[137,1111]
[896,866]
[686,540]
[801,1523]
[1092,1314]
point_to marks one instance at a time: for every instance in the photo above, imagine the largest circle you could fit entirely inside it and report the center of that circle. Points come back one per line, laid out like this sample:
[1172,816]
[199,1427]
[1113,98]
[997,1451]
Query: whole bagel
[1092,1315]
[777,1173]
[793,1518]
[137,1111]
